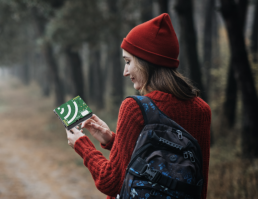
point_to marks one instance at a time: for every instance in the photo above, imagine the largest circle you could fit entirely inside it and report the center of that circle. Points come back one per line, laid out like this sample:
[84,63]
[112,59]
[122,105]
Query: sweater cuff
[81,144]
[109,145]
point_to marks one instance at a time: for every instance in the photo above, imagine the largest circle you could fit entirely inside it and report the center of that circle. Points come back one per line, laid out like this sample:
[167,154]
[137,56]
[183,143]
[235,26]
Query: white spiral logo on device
[69,112]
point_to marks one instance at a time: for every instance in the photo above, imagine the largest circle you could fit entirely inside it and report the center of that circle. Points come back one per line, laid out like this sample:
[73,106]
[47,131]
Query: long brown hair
[165,79]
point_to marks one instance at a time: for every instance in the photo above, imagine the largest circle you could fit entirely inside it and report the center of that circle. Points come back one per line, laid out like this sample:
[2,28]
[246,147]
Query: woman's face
[132,71]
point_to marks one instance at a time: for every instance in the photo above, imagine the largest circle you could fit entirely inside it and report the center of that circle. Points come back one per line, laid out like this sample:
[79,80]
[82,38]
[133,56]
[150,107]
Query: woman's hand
[98,129]
[73,136]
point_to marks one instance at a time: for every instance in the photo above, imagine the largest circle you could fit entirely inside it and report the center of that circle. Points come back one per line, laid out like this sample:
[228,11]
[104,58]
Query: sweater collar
[159,95]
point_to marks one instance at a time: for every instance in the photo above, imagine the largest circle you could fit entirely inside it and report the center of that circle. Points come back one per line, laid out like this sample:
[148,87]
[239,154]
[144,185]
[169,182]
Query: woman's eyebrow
[126,57]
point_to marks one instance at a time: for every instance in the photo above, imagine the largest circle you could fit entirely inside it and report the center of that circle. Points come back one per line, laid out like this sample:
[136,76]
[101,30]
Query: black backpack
[166,161]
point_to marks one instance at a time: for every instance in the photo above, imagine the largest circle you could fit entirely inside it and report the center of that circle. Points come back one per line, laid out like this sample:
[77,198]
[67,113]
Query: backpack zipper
[191,156]
[192,139]
[179,134]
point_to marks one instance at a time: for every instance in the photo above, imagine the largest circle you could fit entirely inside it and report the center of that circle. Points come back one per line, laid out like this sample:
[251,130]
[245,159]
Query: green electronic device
[73,112]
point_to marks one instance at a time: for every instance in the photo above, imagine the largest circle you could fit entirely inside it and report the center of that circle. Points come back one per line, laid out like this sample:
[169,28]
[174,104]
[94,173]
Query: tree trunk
[40,74]
[75,64]
[242,11]
[183,65]
[243,75]
[184,9]
[117,81]
[25,74]
[207,48]
[45,86]
[96,77]
[146,10]
[47,53]
[207,44]
[115,54]
[53,72]
[229,106]
[146,15]
[163,6]
[254,35]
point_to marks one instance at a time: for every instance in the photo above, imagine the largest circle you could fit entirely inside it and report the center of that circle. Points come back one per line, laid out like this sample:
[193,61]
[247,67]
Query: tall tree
[14,31]
[207,44]
[184,9]
[243,75]
[47,52]
[33,12]
[25,74]
[75,67]
[146,10]
[70,29]
[42,79]
[116,70]
[96,77]
[254,35]
[229,106]
[207,48]
[163,6]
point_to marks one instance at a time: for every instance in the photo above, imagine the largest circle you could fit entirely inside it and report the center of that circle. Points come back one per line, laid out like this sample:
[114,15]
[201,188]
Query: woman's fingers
[96,118]
[98,127]
[87,123]
[73,135]
[68,133]
[93,119]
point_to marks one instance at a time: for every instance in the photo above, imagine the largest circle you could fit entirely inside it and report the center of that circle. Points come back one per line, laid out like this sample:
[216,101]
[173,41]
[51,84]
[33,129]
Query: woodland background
[54,50]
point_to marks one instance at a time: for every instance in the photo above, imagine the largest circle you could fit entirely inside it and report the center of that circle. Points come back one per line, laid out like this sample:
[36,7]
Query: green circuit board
[73,111]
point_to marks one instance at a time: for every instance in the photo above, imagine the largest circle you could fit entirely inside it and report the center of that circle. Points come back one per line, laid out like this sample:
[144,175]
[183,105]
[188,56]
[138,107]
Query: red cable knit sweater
[193,115]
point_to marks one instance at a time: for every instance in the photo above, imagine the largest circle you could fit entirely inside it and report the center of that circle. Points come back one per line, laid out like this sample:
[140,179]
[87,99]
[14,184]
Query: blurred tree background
[71,48]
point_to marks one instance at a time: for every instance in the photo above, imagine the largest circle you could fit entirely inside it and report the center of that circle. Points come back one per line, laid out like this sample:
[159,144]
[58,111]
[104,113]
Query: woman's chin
[136,87]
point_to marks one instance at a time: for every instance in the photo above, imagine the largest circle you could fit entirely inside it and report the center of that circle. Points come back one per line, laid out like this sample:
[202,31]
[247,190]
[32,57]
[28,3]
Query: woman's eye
[128,62]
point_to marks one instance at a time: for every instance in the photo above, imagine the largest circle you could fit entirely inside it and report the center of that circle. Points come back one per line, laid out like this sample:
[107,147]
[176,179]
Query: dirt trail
[35,160]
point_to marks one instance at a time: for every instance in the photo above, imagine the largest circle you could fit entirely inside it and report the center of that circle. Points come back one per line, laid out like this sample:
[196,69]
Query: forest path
[35,159]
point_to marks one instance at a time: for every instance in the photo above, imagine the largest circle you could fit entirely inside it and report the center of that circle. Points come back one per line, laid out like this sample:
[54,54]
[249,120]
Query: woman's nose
[126,73]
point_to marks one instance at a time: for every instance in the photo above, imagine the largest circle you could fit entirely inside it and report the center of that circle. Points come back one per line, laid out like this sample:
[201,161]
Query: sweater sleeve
[204,141]
[109,145]
[109,174]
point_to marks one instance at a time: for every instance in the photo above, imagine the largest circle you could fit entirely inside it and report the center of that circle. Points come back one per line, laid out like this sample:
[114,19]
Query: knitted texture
[193,115]
[154,41]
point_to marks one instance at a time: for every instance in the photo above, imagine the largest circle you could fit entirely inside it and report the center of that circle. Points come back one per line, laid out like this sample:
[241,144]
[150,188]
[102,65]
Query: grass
[231,175]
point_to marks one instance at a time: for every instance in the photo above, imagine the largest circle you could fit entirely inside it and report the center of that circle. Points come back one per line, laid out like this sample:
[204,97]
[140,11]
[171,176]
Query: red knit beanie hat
[154,41]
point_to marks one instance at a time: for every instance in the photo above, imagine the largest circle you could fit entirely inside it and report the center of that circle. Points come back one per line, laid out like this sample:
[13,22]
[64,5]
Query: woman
[150,51]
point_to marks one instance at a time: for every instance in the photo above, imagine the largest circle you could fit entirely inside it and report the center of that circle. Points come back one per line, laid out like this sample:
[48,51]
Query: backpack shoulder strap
[150,111]
[152,114]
